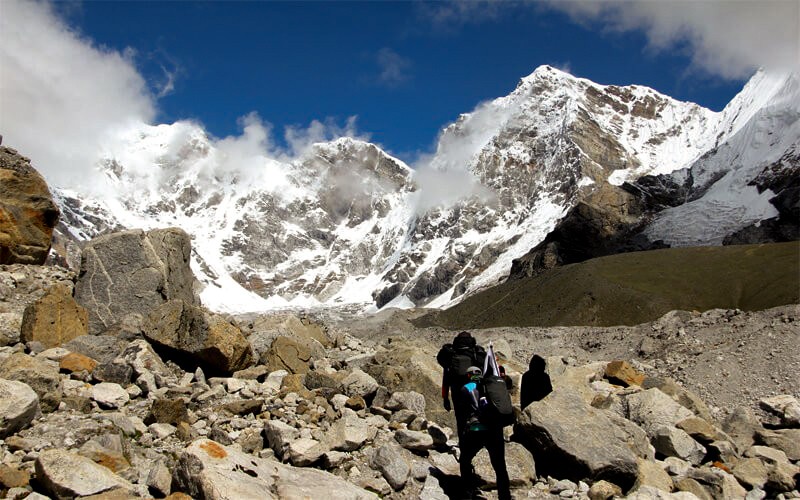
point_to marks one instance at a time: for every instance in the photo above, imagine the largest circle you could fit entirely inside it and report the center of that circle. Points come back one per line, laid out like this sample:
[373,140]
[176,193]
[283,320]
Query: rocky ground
[325,405]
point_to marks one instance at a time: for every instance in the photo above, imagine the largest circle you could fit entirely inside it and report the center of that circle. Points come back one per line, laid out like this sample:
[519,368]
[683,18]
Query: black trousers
[491,439]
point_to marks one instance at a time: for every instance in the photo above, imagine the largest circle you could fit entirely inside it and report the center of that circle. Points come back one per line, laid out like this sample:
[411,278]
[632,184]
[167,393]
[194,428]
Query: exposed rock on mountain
[133,272]
[27,211]
[741,190]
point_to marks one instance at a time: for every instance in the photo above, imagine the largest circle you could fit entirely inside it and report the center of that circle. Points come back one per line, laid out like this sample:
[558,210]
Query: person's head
[537,363]
[464,339]
[474,373]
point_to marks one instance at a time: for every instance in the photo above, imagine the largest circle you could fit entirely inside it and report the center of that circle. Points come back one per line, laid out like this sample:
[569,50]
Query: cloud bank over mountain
[727,38]
[61,95]
[67,102]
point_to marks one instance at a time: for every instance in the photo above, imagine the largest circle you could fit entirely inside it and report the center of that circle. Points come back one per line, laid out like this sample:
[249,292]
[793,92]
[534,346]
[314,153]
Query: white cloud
[394,68]
[60,95]
[300,139]
[729,38]
[64,102]
[445,177]
[449,16]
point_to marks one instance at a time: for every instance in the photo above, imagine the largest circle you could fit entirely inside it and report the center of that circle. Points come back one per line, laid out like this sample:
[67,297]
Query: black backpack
[456,358]
[498,409]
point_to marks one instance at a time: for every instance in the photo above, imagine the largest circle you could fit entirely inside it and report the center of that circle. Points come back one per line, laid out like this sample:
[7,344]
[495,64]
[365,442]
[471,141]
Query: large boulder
[683,396]
[653,409]
[411,365]
[133,272]
[519,463]
[291,354]
[66,475]
[570,439]
[54,319]
[41,376]
[264,329]
[19,405]
[389,460]
[102,348]
[195,338]
[209,470]
[27,212]
[349,432]
[785,407]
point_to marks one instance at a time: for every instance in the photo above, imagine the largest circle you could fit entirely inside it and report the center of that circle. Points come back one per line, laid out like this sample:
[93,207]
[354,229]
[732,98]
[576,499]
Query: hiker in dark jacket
[535,383]
[476,435]
[464,342]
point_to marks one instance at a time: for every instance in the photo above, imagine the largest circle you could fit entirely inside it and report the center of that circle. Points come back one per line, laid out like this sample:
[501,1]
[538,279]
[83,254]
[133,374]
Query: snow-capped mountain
[346,223]
[732,185]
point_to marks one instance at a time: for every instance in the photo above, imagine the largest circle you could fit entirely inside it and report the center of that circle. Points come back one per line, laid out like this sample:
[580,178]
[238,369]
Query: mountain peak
[547,73]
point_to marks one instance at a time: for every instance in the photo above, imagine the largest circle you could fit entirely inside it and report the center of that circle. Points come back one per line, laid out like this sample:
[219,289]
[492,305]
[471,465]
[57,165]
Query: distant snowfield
[175,176]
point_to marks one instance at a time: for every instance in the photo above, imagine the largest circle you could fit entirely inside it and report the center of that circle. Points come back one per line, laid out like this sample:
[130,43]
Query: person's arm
[445,391]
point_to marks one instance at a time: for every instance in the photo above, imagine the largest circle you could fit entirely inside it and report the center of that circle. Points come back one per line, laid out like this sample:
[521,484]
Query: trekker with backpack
[481,430]
[455,359]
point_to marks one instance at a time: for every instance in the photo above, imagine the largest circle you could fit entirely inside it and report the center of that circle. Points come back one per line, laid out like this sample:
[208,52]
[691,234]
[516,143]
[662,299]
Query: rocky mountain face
[566,167]
[180,403]
[742,189]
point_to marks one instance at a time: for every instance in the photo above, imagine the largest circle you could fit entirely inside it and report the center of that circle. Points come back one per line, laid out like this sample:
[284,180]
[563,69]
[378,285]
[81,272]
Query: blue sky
[392,64]
[404,70]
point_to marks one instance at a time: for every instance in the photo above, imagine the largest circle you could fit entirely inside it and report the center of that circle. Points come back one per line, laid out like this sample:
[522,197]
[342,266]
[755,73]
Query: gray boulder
[19,405]
[133,272]
[209,470]
[412,364]
[674,442]
[786,440]
[409,400]
[147,368]
[784,406]
[196,338]
[359,383]
[576,441]
[40,375]
[279,436]
[741,425]
[392,465]
[292,355]
[652,409]
[66,475]
[305,451]
[432,490]
[110,395]
[102,348]
[349,432]
[519,463]
[414,440]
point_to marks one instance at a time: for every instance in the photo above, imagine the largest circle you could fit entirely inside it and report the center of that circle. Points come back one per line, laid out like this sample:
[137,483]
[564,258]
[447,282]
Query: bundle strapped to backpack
[498,409]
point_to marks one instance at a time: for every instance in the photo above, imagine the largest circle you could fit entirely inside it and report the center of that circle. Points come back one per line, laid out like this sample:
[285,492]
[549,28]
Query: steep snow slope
[763,127]
[344,223]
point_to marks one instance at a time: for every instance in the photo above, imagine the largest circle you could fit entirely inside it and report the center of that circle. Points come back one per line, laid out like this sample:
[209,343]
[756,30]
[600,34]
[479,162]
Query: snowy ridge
[343,223]
[771,107]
